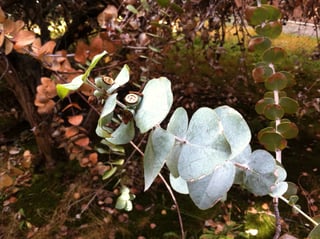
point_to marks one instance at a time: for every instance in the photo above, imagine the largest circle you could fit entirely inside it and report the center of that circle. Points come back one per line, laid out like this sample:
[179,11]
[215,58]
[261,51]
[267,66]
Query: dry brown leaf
[9,46]
[82,142]
[93,157]
[47,48]
[109,13]
[96,46]
[9,27]
[41,99]
[50,62]
[2,16]
[5,181]
[23,38]
[109,46]
[81,53]
[47,108]
[1,36]
[86,89]
[71,131]
[35,47]
[41,90]
[49,87]
[61,56]
[71,105]
[14,171]
[84,162]
[76,150]
[19,24]
[75,120]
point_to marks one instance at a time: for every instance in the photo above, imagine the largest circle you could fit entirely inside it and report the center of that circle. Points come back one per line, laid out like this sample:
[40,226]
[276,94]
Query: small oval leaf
[274,55]
[288,130]
[273,141]
[123,134]
[261,105]
[273,111]
[289,105]
[259,44]
[155,105]
[261,73]
[159,145]
[276,81]
[269,29]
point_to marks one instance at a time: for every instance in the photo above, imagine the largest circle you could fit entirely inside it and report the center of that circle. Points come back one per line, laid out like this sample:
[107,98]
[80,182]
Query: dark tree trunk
[21,74]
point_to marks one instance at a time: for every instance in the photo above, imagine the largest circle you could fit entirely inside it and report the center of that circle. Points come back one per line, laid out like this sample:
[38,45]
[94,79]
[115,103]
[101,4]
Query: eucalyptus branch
[169,190]
[315,223]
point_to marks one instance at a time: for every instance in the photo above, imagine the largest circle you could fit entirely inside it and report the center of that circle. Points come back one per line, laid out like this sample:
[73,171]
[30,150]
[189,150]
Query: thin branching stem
[169,190]
[277,216]
[175,202]
[315,223]
[278,153]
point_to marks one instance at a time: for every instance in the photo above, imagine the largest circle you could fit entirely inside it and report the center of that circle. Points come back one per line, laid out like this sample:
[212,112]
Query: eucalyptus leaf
[64,89]
[270,29]
[123,134]
[208,190]
[117,149]
[281,173]
[274,55]
[103,132]
[107,174]
[261,72]
[205,147]
[160,143]
[277,81]
[178,126]
[291,191]
[173,159]
[121,79]
[259,44]
[155,105]
[107,111]
[196,161]
[264,176]
[259,184]
[261,104]
[179,184]
[241,162]
[92,65]
[261,161]
[235,129]
[289,105]
[124,200]
[178,123]
[278,189]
